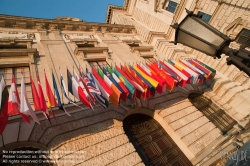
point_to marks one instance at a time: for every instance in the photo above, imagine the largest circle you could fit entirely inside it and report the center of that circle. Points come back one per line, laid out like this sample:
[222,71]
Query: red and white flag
[25,107]
[14,102]
[43,105]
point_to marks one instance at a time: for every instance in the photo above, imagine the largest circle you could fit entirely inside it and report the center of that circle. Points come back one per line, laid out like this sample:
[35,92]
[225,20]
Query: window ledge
[91,50]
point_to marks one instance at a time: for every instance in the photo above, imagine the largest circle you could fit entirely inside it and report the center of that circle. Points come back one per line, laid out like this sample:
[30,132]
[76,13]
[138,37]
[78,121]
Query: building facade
[194,124]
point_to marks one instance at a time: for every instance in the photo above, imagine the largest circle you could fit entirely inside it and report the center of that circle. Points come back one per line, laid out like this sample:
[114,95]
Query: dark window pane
[171,9]
[171,6]
[204,16]
[244,37]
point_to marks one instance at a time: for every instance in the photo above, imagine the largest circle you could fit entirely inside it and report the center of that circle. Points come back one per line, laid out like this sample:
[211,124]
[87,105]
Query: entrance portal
[152,143]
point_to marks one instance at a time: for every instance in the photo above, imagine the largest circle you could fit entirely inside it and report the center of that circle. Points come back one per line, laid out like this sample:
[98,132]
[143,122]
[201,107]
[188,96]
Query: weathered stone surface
[200,144]
[65,140]
[109,157]
[131,159]
[170,110]
[199,133]
[191,126]
[180,114]
[186,119]
[165,98]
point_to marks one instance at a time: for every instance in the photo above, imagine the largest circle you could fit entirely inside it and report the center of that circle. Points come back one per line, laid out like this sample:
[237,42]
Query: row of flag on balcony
[102,85]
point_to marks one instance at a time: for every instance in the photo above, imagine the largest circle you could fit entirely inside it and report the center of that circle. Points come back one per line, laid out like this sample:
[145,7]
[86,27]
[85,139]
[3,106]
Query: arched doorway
[152,143]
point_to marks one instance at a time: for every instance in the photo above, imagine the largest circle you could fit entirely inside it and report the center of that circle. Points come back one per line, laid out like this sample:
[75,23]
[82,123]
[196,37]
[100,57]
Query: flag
[51,99]
[120,85]
[63,87]
[36,99]
[94,89]
[3,105]
[169,81]
[58,96]
[124,80]
[115,96]
[104,88]
[84,87]
[152,75]
[43,105]
[14,102]
[153,82]
[151,89]
[75,89]
[135,78]
[138,88]
[25,107]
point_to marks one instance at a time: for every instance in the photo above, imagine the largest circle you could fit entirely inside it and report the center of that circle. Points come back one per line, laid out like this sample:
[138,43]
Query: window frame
[242,35]
[98,64]
[166,6]
[201,13]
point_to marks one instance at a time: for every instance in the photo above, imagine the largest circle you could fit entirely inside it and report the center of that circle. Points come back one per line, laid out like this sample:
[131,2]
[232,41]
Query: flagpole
[18,132]
[2,140]
[61,87]
[77,80]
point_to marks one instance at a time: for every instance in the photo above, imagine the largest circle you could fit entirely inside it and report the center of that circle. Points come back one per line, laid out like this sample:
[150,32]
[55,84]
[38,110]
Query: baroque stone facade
[55,45]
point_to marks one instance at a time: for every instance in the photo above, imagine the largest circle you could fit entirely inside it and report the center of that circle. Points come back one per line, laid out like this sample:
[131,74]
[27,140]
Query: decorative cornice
[18,52]
[90,50]
[40,24]
[111,7]
[142,48]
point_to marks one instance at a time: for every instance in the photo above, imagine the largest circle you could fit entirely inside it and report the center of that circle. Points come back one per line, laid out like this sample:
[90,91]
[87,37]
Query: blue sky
[88,10]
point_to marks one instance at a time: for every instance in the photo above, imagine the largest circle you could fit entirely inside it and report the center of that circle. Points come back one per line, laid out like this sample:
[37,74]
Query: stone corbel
[53,27]
[68,27]
[31,56]
[103,30]
[82,28]
[133,31]
[114,30]
[40,26]
[2,23]
[94,29]
[124,30]
[31,36]
[21,24]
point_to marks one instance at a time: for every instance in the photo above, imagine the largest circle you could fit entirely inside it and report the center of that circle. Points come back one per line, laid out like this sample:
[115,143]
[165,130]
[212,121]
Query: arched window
[214,113]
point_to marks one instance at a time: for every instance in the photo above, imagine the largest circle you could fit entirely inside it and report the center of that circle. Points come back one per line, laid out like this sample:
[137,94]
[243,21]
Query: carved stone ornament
[12,35]
[31,36]
[68,19]
[53,26]
[40,26]
[159,4]
[77,36]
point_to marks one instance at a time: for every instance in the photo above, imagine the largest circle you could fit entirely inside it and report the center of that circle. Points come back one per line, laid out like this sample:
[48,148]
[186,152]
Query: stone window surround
[19,57]
[166,4]
[83,51]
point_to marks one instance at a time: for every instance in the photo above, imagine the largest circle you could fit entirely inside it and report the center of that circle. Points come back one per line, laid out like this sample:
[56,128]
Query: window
[215,115]
[204,16]
[98,64]
[17,72]
[244,37]
[170,6]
